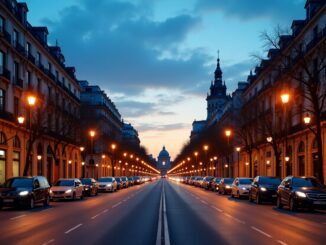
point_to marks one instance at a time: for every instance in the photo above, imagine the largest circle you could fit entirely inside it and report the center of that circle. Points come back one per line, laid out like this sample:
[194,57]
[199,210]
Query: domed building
[163,161]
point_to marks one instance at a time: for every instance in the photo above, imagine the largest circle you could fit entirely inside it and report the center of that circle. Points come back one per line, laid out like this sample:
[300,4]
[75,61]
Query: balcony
[5,73]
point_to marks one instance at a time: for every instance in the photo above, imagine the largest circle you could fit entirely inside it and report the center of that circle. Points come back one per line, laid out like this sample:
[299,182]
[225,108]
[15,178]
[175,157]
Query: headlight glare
[68,191]
[301,194]
[263,189]
[23,193]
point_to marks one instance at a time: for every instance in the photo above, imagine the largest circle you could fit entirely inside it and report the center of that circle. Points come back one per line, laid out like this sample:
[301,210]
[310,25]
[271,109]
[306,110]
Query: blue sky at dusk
[156,58]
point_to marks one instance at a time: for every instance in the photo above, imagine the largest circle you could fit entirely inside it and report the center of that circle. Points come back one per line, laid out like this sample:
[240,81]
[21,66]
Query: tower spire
[218,71]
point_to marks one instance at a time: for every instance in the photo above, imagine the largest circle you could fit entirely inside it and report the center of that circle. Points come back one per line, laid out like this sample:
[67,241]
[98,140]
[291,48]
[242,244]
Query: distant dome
[164,153]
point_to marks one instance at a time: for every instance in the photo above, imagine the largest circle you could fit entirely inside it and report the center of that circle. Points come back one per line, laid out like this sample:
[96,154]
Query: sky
[156,58]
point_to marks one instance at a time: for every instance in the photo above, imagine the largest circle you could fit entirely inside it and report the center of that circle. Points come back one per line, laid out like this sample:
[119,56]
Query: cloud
[253,9]
[121,49]
[135,108]
[144,127]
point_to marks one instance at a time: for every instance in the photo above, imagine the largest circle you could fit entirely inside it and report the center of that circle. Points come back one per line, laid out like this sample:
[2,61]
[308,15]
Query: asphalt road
[161,212]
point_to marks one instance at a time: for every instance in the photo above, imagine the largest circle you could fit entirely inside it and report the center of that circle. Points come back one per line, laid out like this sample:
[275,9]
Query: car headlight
[23,193]
[108,185]
[263,189]
[301,194]
[51,191]
[244,188]
[86,188]
[68,191]
[227,187]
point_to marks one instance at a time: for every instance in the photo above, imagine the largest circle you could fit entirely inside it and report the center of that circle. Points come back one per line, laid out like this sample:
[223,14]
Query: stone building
[47,141]
[163,161]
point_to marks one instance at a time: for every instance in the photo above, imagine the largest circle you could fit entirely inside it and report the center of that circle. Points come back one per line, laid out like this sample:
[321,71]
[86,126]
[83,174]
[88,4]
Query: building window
[28,48]
[2,166]
[57,75]
[39,85]
[38,58]
[2,24]
[29,79]
[49,67]
[2,62]
[2,100]
[16,107]
[15,38]
[63,82]
[16,142]
[15,164]
[16,71]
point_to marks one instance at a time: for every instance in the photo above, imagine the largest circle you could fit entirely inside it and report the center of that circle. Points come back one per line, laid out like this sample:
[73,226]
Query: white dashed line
[217,209]
[204,202]
[48,242]
[261,232]
[281,242]
[105,210]
[116,205]
[234,218]
[73,228]
[95,216]
[18,217]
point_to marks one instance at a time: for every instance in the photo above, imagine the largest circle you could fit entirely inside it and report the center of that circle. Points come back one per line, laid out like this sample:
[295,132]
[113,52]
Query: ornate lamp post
[228,133]
[285,98]
[238,149]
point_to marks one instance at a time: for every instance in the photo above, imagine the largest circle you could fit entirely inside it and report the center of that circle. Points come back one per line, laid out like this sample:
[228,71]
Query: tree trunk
[250,163]
[320,151]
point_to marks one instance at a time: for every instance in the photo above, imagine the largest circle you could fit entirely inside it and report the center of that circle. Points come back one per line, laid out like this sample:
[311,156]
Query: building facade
[130,134]
[47,141]
[163,161]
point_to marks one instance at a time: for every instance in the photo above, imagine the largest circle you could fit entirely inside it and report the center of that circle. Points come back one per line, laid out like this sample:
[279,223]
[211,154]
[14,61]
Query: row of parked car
[28,191]
[293,191]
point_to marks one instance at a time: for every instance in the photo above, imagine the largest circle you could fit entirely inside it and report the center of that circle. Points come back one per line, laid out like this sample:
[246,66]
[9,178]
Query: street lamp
[21,119]
[205,147]
[269,139]
[247,164]
[238,149]
[285,97]
[228,133]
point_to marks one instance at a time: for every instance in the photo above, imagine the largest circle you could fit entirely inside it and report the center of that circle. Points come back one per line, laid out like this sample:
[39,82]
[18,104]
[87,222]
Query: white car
[67,189]
[107,184]
[240,187]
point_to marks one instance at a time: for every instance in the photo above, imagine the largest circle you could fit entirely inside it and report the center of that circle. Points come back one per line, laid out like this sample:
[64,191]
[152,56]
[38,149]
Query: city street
[131,216]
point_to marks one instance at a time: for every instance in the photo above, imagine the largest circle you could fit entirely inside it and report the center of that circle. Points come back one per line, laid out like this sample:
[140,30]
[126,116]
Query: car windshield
[130,178]
[228,181]
[86,181]
[217,180]
[136,178]
[245,181]
[64,183]
[209,178]
[269,181]
[118,179]
[105,180]
[200,178]
[306,182]
[19,182]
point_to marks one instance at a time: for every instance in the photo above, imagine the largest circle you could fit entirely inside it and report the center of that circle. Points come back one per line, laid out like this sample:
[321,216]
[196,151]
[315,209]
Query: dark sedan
[214,184]
[206,182]
[225,186]
[25,191]
[301,192]
[263,188]
[90,187]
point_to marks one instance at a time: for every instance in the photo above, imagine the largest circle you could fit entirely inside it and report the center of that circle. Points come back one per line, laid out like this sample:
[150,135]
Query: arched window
[16,142]
[3,140]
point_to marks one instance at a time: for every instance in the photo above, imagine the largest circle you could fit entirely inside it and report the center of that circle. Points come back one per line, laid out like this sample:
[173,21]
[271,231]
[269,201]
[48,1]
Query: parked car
[107,184]
[206,182]
[224,186]
[67,188]
[25,191]
[119,183]
[214,183]
[240,187]
[192,180]
[199,181]
[124,182]
[131,181]
[263,188]
[138,180]
[90,186]
[301,192]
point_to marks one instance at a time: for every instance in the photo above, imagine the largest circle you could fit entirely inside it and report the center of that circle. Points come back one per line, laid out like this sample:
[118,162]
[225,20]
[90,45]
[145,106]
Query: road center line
[48,242]
[165,219]
[116,205]
[105,210]
[217,209]
[73,228]
[94,217]
[204,202]
[261,232]
[281,242]
[18,217]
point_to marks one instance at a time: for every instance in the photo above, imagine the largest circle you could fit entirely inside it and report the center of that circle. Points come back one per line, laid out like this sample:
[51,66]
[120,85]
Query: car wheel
[47,201]
[292,205]
[279,202]
[238,195]
[224,193]
[31,203]
[96,192]
[232,194]
[258,199]
[81,196]
[74,196]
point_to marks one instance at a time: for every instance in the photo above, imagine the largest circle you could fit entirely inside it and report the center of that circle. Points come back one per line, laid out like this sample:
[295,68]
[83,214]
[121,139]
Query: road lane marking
[261,232]
[95,216]
[166,227]
[73,228]
[159,225]
[202,201]
[48,242]
[18,217]
[281,242]
[234,218]
[116,205]
[217,209]
[105,210]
